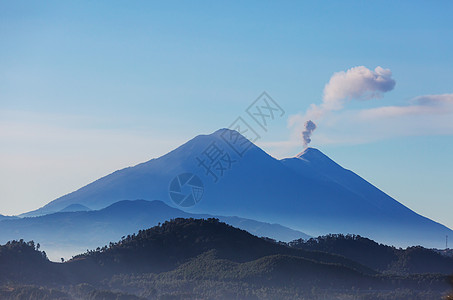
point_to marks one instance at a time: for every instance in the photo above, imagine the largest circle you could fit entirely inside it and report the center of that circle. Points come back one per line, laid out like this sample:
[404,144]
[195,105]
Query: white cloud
[426,115]
[358,83]
[434,100]
[422,105]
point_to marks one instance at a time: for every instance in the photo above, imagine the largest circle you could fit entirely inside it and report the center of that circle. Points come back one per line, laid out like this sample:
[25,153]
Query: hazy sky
[87,88]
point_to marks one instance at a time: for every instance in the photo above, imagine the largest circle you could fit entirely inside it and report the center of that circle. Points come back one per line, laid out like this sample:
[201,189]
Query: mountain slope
[309,193]
[388,214]
[75,207]
[165,247]
[383,258]
[65,234]
[22,262]
[201,259]
[2,217]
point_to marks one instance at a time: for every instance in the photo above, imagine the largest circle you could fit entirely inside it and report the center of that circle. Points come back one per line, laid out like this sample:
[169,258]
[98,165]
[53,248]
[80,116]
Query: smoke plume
[309,127]
[358,83]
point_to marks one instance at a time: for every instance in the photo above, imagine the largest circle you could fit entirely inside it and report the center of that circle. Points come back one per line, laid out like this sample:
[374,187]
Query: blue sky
[87,88]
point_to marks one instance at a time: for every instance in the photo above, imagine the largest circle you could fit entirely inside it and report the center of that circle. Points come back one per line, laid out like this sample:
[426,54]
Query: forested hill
[165,246]
[22,261]
[383,258]
[204,259]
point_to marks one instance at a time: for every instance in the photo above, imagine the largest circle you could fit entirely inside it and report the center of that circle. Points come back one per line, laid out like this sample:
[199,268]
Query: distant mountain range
[68,232]
[207,259]
[75,207]
[309,192]
[2,217]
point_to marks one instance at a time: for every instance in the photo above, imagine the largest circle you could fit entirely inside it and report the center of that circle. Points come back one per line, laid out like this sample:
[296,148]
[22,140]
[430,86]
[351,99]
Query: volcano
[309,192]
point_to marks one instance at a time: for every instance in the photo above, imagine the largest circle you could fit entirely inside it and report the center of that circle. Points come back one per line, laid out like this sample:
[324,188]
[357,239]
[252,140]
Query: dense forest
[208,259]
[383,258]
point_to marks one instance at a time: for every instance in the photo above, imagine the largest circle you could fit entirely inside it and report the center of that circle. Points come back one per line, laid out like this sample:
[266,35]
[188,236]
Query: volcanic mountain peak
[309,192]
[314,155]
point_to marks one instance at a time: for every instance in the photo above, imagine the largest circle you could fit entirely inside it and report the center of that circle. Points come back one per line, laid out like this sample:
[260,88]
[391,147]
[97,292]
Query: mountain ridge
[202,259]
[64,234]
[309,192]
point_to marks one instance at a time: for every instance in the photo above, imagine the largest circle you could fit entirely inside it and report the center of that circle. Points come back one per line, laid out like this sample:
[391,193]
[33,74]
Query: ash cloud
[309,127]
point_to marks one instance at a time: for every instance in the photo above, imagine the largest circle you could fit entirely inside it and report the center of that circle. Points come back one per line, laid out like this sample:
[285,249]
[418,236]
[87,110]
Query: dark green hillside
[162,248]
[413,260]
[276,277]
[21,261]
[275,270]
[416,260]
[206,259]
[376,256]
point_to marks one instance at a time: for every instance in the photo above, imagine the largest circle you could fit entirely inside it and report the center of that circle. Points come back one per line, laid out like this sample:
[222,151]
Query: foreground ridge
[205,258]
